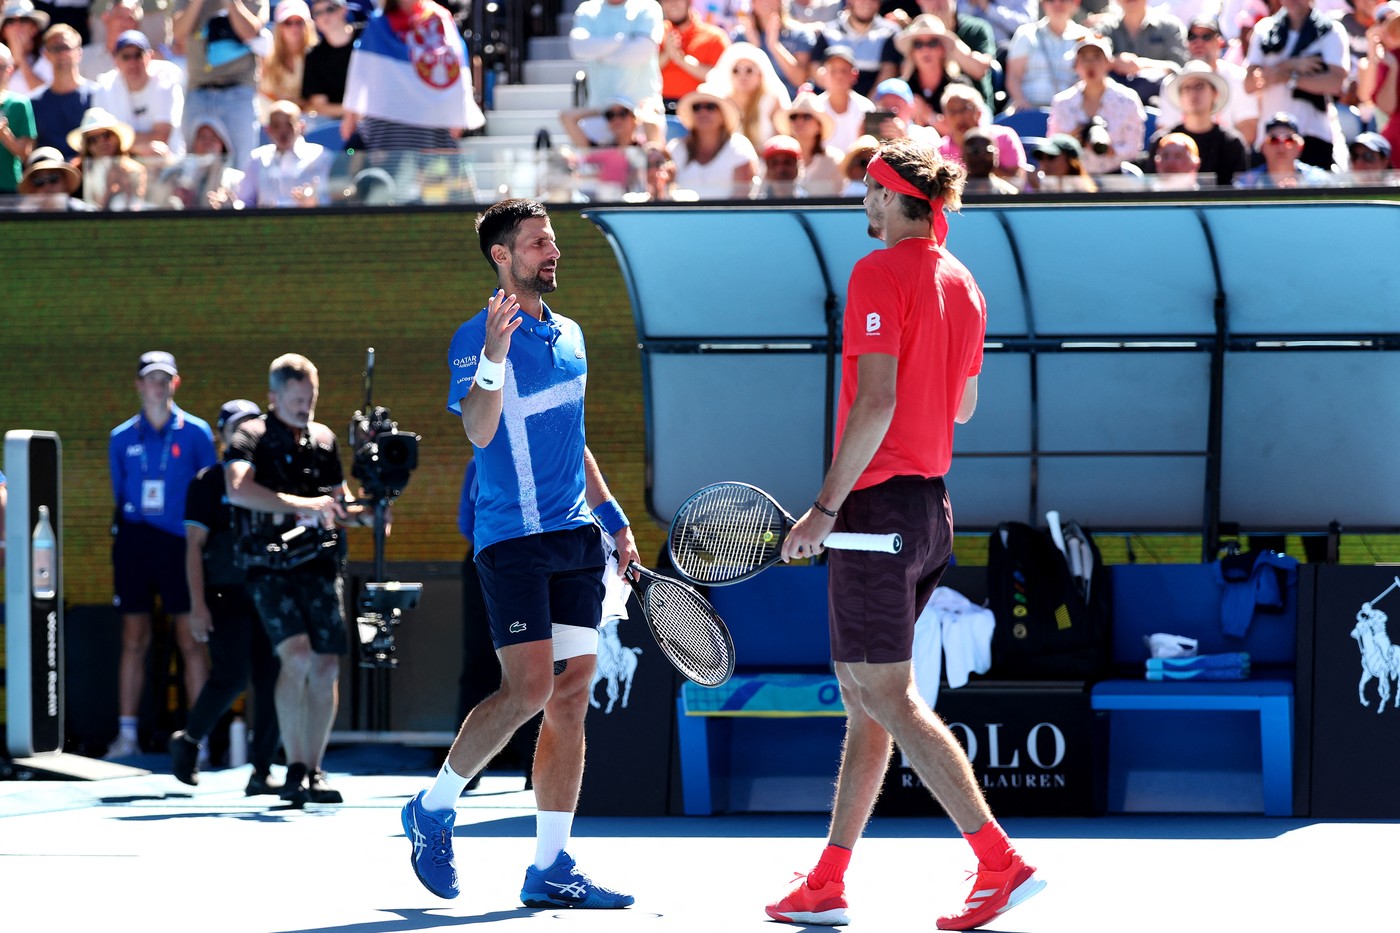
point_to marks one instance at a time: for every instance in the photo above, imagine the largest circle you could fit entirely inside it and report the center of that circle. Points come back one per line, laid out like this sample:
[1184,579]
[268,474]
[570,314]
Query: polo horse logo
[1380,660]
[617,665]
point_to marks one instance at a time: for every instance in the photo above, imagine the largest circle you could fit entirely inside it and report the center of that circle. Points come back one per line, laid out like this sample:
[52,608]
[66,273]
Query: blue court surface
[147,853]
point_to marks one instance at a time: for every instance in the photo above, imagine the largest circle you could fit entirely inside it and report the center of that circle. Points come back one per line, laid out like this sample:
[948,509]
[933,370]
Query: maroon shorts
[875,598]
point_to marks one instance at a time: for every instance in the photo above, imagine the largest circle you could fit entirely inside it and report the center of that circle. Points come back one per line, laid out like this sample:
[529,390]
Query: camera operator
[284,469]
[1107,118]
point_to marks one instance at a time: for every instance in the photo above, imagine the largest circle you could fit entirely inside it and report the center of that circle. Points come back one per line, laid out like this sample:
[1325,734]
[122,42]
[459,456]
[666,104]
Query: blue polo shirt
[152,470]
[530,477]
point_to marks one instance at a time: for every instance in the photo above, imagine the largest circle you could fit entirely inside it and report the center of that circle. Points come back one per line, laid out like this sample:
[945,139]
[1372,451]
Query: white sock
[552,828]
[445,790]
[127,726]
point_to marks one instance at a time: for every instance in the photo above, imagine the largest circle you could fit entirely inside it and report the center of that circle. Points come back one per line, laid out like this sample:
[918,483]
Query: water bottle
[43,557]
[237,742]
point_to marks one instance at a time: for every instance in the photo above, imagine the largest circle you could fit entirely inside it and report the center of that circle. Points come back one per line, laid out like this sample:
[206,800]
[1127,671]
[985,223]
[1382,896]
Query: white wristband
[490,375]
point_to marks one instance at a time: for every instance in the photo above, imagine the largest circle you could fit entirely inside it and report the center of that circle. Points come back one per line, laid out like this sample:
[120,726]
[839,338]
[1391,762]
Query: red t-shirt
[699,39]
[917,303]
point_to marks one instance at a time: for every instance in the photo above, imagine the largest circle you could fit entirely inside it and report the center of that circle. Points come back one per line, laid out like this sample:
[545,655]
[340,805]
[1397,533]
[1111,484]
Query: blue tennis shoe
[430,831]
[563,885]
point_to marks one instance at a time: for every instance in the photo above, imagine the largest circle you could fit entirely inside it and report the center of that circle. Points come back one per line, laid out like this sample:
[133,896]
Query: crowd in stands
[235,103]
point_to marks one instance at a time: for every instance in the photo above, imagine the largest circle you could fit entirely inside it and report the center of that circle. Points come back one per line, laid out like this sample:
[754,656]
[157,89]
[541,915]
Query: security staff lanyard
[153,490]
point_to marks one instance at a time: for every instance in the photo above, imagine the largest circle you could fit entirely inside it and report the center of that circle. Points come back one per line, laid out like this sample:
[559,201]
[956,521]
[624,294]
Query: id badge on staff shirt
[152,497]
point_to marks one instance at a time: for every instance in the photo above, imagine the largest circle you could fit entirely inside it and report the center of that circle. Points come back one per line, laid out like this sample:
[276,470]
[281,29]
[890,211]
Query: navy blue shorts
[301,603]
[876,598]
[147,561]
[536,582]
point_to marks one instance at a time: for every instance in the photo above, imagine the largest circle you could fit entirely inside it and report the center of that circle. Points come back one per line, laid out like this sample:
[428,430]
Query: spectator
[870,38]
[894,96]
[59,107]
[1205,43]
[1060,166]
[1379,81]
[153,456]
[16,128]
[323,84]
[409,84]
[100,55]
[746,76]
[205,178]
[1176,163]
[689,48]
[1199,93]
[1004,16]
[112,179]
[789,45]
[1297,63]
[968,52]
[661,178]
[714,159]
[614,157]
[812,128]
[621,42]
[289,171]
[964,111]
[20,27]
[847,108]
[1283,165]
[50,182]
[782,169]
[284,68]
[1149,44]
[1039,62]
[147,94]
[853,166]
[222,616]
[1370,160]
[215,37]
[284,470]
[978,154]
[1097,101]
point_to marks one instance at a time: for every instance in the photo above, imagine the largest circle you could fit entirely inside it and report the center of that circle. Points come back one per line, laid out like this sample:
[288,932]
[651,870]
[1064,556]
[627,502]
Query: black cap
[156,361]
[235,411]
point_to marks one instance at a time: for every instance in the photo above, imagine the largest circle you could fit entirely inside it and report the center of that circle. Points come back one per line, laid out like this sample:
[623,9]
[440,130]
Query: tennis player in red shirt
[913,332]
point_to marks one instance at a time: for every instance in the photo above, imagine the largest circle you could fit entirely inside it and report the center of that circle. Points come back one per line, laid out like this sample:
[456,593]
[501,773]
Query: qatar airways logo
[464,361]
[872,323]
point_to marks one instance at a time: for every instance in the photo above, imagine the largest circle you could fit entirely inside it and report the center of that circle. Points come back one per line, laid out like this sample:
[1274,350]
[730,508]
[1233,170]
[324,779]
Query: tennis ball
[768,537]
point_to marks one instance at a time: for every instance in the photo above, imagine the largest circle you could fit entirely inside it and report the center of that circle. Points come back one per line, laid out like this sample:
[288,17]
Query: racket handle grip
[850,541]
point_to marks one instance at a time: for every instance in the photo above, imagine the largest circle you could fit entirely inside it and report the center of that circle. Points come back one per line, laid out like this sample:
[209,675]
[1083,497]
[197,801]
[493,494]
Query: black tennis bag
[1051,624]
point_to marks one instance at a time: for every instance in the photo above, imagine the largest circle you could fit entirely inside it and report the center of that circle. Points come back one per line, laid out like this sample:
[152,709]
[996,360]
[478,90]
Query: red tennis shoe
[994,893]
[824,906]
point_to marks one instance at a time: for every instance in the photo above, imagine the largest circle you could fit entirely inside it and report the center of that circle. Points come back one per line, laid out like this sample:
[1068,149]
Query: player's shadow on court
[420,919]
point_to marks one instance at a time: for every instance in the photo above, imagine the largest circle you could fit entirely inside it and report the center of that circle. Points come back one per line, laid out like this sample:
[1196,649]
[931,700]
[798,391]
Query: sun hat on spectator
[806,102]
[864,147]
[1171,87]
[23,9]
[925,24]
[95,120]
[685,110]
[1061,144]
[47,158]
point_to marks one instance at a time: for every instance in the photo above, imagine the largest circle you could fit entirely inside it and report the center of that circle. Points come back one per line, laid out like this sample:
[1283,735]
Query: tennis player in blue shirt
[518,371]
[153,457]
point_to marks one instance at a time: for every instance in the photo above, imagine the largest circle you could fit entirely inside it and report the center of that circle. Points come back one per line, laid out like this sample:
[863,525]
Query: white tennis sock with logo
[552,829]
[445,790]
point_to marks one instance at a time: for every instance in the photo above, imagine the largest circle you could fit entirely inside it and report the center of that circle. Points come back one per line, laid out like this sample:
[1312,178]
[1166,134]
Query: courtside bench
[1148,717]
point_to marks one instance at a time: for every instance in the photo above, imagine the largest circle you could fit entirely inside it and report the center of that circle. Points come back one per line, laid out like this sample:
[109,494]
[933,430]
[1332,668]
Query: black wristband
[817,504]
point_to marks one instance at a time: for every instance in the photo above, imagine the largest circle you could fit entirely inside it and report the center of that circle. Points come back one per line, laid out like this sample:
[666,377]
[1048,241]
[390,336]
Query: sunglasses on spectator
[617,114]
[746,70]
[1202,36]
[131,55]
[296,21]
[702,106]
[46,179]
[1366,155]
[926,43]
[802,116]
[60,49]
[1280,138]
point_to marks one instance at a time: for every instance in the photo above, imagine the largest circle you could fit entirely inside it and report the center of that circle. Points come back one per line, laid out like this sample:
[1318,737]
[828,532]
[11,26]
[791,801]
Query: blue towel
[1232,665]
[1254,582]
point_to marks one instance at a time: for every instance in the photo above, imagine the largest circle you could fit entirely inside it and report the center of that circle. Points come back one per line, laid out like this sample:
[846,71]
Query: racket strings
[725,532]
[689,633]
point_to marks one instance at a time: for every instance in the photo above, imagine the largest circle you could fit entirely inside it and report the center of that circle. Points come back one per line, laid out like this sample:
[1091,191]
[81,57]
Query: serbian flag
[419,75]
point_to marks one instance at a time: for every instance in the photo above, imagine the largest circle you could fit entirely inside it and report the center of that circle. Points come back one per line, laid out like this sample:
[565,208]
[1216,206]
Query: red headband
[884,173]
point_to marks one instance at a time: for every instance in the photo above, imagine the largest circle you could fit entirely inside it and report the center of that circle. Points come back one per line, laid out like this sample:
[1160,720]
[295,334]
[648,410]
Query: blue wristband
[611,517]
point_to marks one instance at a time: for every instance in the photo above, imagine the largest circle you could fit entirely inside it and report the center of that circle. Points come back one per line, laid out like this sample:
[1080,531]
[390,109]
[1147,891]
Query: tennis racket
[686,627]
[729,532]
